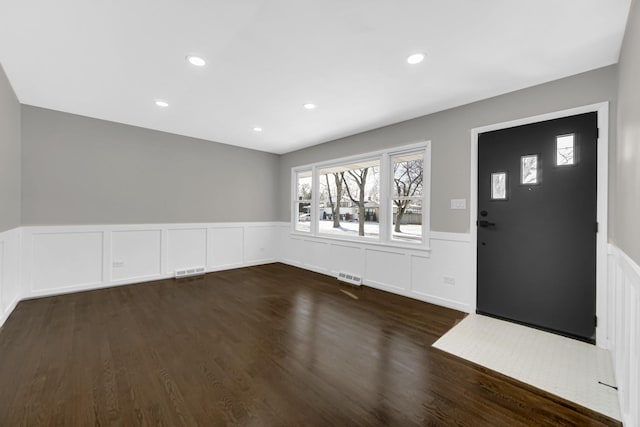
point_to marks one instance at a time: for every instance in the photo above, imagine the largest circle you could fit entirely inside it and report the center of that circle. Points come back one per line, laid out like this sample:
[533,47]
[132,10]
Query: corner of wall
[11,291]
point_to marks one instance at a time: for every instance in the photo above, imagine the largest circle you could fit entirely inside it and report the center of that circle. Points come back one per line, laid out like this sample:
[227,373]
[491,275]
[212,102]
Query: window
[349,203]
[529,169]
[302,201]
[499,186]
[565,150]
[377,197]
[407,195]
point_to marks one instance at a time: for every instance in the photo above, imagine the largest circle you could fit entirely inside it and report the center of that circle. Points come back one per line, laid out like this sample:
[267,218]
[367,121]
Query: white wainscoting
[136,253]
[623,331]
[410,272]
[49,260]
[10,292]
[260,243]
[62,259]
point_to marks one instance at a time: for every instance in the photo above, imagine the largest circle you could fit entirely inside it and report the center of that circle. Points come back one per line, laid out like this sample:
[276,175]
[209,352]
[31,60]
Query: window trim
[295,201]
[574,145]
[385,237]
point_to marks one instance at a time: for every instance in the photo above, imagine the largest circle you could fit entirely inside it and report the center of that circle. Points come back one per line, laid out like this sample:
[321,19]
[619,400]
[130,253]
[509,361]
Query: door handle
[484,223]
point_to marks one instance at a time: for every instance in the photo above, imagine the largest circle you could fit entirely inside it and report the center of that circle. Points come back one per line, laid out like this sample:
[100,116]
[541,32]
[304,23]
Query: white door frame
[602,109]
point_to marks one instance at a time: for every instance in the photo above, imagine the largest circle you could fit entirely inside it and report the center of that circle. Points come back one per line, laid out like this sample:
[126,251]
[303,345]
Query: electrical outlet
[449,280]
[118,264]
[458,203]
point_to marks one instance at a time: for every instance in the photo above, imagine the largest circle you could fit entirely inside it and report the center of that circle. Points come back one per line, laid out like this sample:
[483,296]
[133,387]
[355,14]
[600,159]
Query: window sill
[422,248]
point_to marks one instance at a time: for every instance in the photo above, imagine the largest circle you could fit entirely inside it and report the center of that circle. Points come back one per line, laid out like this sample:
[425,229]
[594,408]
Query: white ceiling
[266,58]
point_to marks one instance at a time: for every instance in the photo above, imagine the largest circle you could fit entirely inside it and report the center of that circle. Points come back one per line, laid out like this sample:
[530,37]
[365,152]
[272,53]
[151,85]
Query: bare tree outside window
[408,177]
[348,202]
[335,205]
[358,197]
[355,183]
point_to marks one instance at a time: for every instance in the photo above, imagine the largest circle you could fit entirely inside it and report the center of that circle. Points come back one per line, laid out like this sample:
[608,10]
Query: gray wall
[626,202]
[9,155]
[450,134]
[78,170]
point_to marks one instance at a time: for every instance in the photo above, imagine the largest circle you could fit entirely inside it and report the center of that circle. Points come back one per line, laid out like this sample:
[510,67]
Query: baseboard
[84,288]
[8,311]
[443,302]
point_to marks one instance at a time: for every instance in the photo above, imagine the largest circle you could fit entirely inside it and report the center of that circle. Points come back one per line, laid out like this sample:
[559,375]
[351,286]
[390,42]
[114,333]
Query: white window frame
[426,173]
[295,201]
[386,196]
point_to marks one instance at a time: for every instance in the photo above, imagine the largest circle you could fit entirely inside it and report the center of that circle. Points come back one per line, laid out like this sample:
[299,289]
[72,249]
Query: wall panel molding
[225,248]
[414,273]
[623,330]
[63,259]
[135,254]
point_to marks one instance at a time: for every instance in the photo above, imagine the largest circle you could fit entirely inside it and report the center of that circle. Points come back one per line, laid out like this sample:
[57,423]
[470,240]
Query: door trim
[602,110]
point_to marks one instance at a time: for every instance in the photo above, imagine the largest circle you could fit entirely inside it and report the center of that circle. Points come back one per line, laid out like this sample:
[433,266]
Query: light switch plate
[458,203]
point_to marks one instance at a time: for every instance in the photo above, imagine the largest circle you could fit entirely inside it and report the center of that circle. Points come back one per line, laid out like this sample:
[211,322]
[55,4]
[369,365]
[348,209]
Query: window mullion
[426,194]
[293,204]
[384,206]
[315,188]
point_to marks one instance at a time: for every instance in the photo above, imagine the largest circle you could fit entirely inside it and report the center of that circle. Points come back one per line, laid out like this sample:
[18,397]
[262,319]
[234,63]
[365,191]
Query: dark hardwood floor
[262,346]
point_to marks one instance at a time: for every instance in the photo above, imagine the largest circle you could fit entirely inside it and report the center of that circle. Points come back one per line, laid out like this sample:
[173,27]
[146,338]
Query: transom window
[377,197]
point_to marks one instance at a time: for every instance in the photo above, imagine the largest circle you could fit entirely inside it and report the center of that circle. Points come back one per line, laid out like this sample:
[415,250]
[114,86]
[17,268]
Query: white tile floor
[562,366]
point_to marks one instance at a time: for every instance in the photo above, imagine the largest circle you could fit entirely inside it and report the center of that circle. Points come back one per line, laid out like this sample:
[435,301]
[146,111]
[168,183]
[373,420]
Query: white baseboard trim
[443,302]
[8,310]
[307,267]
[93,287]
[294,263]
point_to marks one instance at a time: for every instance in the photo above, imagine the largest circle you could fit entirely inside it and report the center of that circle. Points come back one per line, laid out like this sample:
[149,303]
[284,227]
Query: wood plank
[265,345]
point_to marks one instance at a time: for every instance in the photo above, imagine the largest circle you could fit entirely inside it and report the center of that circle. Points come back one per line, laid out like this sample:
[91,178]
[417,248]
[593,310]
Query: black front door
[537,224]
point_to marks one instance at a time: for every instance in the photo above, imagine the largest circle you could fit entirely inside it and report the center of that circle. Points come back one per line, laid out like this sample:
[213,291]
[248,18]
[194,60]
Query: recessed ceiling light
[416,58]
[257,129]
[162,103]
[197,61]
[309,106]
